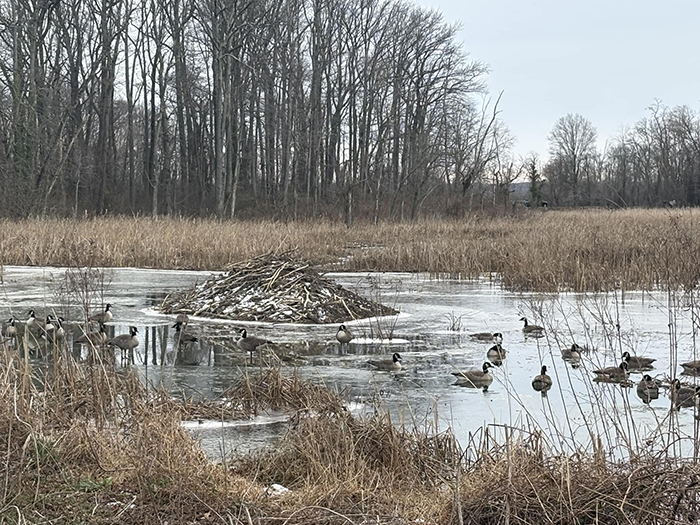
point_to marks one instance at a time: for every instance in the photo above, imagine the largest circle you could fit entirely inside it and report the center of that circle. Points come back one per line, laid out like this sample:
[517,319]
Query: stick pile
[273,287]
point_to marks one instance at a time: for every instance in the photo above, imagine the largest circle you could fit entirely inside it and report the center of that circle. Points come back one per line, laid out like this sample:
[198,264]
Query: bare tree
[572,149]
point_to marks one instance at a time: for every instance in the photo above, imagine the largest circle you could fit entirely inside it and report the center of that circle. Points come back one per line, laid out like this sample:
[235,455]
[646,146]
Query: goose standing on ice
[344,336]
[103,317]
[126,342]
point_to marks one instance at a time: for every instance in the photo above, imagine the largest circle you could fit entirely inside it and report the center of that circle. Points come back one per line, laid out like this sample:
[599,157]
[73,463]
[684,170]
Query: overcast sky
[607,60]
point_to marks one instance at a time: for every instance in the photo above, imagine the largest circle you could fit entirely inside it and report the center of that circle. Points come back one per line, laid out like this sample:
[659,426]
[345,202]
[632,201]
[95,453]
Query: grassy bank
[92,445]
[578,250]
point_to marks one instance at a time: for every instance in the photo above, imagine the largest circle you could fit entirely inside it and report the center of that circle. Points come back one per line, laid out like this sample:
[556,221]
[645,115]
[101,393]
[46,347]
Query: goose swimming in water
[475,378]
[388,365]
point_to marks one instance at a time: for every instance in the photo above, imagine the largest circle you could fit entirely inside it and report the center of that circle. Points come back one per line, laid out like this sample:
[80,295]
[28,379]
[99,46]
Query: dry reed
[582,250]
[93,445]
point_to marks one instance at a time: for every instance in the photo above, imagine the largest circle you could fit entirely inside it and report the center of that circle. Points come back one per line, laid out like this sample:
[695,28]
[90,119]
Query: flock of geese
[52,330]
[477,378]
[647,388]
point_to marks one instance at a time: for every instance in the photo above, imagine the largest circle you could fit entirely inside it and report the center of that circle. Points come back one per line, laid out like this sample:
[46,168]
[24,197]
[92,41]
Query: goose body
[60,332]
[389,365]
[692,367]
[126,341]
[496,352]
[647,389]
[10,330]
[488,337]
[635,362]
[573,353]
[683,395]
[475,378]
[103,317]
[34,322]
[96,337]
[249,343]
[49,326]
[344,335]
[531,329]
[612,374]
[182,336]
[542,382]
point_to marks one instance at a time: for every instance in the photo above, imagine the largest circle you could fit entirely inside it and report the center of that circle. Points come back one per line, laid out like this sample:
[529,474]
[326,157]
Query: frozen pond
[432,336]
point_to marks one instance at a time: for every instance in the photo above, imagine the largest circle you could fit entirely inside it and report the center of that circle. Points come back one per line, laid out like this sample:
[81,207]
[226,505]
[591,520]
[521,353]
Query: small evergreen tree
[535,179]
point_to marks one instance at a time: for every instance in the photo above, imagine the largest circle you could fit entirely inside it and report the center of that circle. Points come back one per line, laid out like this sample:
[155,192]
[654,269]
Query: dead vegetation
[90,444]
[581,250]
[273,288]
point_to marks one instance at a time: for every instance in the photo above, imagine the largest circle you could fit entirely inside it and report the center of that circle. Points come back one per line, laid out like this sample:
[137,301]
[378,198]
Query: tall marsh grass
[93,444]
[580,250]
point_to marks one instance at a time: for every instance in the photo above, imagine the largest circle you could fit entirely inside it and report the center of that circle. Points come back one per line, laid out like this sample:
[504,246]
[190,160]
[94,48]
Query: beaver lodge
[273,288]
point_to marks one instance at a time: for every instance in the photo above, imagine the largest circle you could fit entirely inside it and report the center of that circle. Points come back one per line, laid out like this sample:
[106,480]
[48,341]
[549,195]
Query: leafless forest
[288,109]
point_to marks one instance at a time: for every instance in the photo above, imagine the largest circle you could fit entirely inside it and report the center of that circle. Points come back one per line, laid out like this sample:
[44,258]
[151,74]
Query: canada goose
[612,374]
[344,335]
[389,365]
[488,337]
[684,396]
[249,343]
[10,330]
[35,323]
[636,362]
[102,317]
[496,352]
[182,336]
[531,329]
[96,337]
[691,367]
[60,332]
[475,378]
[647,389]
[573,353]
[542,382]
[127,342]
[49,326]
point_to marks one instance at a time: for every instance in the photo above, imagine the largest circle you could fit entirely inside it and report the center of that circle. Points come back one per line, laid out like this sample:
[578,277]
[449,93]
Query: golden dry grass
[92,445]
[578,250]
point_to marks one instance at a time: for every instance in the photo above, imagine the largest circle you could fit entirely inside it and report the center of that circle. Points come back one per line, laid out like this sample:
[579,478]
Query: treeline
[222,107]
[656,162]
[287,109]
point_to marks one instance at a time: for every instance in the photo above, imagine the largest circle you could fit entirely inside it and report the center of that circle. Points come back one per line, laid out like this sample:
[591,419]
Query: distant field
[582,250]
